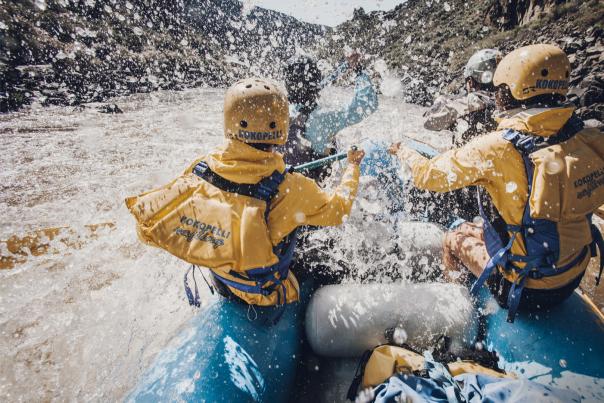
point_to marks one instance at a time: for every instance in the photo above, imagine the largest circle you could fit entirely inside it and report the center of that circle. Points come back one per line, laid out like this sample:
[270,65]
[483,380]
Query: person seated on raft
[312,129]
[544,172]
[245,233]
[467,116]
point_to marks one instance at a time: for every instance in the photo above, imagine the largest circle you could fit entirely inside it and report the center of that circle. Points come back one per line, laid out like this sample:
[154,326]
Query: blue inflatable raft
[561,347]
[228,352]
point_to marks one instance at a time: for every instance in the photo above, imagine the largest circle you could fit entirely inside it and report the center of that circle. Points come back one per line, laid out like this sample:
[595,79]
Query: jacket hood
[241,163]
[542,122]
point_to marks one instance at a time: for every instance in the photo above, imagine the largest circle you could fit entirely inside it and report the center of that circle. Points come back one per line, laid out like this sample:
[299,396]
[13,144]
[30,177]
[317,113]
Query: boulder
[595,123]
[595,50]
[572,45]
[109,108]
[592,112]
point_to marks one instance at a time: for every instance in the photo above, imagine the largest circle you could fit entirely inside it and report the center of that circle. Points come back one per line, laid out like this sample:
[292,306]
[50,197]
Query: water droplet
[554,166]
[41,4]
[511,187]
[452,176]
[400,336]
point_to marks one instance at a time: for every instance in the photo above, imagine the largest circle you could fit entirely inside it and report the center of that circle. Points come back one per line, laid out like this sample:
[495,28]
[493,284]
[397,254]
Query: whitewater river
[81,324]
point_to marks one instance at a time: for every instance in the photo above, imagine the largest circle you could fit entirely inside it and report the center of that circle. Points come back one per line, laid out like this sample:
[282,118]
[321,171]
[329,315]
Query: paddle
[424,149]
[321,161]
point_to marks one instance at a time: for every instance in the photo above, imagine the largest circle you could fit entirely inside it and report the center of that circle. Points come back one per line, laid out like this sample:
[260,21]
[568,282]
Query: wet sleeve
[458,168]
[323,208]
[324,125]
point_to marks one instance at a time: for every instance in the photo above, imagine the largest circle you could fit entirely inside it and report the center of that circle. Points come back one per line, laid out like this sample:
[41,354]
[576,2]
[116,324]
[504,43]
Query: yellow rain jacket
[567,187]
[228,232]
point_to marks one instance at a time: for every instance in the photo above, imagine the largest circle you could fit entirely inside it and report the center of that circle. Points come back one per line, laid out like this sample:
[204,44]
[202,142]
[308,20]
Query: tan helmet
[534,70]
[256,111]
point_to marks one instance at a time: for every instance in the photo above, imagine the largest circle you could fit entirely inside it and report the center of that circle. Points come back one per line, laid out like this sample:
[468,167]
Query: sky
[326,12]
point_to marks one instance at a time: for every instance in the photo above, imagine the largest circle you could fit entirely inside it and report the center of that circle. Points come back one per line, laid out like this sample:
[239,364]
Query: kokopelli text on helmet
[260,136]
[550,84]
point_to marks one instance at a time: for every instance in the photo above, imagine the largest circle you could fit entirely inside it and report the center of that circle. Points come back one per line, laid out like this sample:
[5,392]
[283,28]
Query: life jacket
[565,174]
[200,217]
[298,150]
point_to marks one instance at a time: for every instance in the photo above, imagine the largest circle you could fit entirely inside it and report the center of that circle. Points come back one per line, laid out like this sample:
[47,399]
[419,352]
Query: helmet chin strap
[262,146]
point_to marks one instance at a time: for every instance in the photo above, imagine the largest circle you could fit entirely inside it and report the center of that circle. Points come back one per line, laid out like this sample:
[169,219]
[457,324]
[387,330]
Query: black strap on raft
[264,190]
[358,375]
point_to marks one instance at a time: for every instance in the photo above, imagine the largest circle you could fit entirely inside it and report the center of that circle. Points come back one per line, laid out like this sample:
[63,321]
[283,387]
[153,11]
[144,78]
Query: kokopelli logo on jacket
[202,232]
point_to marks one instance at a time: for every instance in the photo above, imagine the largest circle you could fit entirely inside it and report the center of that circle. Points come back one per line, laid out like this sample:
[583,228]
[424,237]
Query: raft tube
[562,346]
[228,352]
[343,321]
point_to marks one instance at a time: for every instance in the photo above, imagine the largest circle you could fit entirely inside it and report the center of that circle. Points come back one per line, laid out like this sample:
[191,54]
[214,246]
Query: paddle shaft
[320,162]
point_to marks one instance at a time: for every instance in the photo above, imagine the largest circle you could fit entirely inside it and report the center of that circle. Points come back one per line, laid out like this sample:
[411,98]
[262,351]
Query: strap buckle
[535,274]
[200,169]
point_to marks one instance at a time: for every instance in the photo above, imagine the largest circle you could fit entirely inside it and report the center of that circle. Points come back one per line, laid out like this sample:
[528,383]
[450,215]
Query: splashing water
[511,187]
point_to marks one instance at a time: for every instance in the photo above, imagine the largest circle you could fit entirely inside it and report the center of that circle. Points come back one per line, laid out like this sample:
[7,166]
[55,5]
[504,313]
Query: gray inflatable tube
[345,320]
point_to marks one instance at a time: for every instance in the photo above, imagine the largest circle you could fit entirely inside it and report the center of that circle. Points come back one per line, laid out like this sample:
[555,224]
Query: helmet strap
[262,146]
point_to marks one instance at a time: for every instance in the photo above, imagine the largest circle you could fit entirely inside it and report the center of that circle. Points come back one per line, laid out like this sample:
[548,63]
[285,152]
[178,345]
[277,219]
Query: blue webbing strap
[193,299]
[534,271]
[491,265]
[498,257]
[524,145]
[263,275]
[597,243]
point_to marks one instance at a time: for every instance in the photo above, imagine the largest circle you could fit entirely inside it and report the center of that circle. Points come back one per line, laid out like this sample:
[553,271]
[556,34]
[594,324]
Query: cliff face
[72,51]
[427,43]
[508,14]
